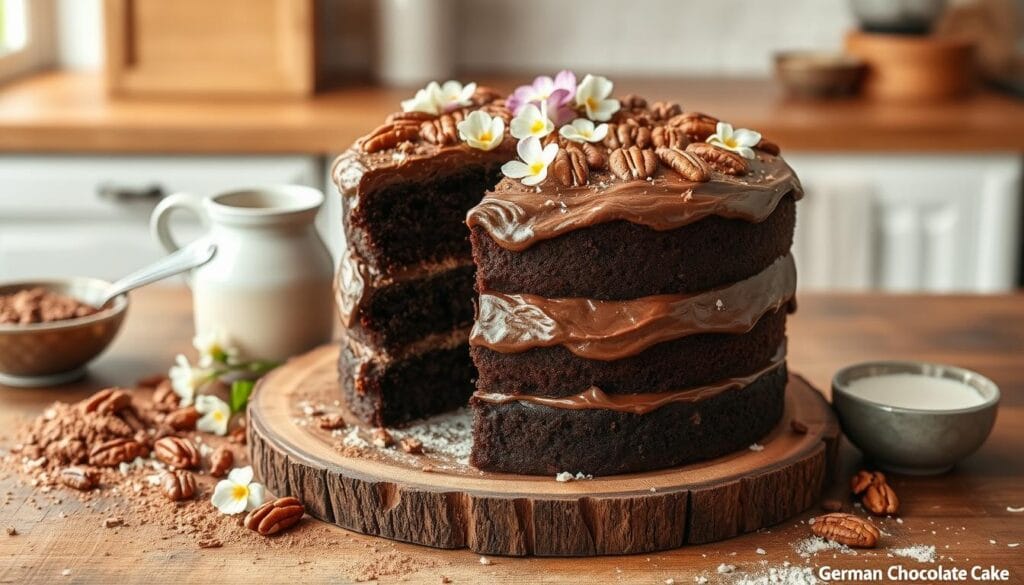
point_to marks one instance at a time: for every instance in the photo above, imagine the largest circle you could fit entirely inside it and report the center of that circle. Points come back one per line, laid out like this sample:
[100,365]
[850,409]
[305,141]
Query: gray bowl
[908,440]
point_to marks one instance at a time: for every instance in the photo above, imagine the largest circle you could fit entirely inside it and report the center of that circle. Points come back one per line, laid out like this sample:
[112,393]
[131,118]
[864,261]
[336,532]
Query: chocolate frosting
[517,217]
[612,330]
[596,399]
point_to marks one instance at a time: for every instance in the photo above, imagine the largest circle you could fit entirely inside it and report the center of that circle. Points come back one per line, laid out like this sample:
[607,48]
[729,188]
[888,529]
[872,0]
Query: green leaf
[240,391]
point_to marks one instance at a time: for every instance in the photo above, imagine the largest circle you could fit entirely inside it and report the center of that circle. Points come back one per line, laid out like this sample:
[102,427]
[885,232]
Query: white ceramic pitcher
[268,287]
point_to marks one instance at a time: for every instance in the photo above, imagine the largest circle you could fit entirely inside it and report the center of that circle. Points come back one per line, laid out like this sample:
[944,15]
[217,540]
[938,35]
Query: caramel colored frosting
[517,217]
[596,399]
[612,330]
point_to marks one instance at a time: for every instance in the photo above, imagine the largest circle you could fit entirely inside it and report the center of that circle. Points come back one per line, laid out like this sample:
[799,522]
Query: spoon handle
[192,256]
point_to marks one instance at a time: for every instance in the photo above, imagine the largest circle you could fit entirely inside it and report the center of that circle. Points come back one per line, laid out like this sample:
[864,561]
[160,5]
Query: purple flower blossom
[556,94]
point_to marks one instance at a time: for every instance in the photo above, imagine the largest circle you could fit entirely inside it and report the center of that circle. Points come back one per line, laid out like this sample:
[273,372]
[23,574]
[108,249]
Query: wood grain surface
[70,112]
[505,514]
[963,514]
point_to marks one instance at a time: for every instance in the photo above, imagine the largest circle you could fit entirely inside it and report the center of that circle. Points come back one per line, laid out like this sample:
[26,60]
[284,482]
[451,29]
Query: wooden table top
[963,514]
[70,112]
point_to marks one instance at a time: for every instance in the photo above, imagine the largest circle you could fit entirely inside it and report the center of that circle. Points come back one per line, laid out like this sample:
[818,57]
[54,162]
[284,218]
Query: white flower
[238,493]
[422,102]
[185,379]
[583,130]
[216,414]
[214,346]
[534,165]
[482,131]
[592,94]
[740,141]
[452,95]
[531,121]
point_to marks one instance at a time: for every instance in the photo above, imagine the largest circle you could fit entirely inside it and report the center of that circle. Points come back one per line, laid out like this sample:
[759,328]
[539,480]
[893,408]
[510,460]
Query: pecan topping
[596,158]
[411,445]
[626,134]
[720,159]
[769,147]
[176,452]
[108,401]
[381,438]
[115,451]
[633,163]
[276,516]
[164,397]
[409,117]
[688,165]
[669,137]
[221,461]
[78,478]
[443,130]
[846,529]
[183,419]
[391,135]
[178,485]
[876,494]
[570,167]
[665,110]
[331,422]
[697,126]
[632,102]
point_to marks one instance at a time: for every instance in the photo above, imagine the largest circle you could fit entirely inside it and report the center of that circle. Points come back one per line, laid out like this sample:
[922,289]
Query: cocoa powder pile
[39,305]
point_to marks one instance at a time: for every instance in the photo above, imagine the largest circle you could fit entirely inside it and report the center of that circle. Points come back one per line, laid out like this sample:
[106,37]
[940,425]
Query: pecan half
[769,147]
[391,135]
[178,485]
[276,516]
[626,134]
[596,158]
[570,167]
[846,529]
[107,401]
[632,102]
[633,163]
[880,499]
[78,478]
[176,452]
[111,453]
[665,110]
[720,159]
[409,117]
[696,125]
[331,422]
[380,437]
[164,397]
[183,419]
[221,461]
[443,130]
[860,482]
[686,164]
[669,137]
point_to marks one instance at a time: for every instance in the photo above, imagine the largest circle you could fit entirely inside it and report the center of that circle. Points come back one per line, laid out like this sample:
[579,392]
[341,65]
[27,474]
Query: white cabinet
[89,215]
[909,222]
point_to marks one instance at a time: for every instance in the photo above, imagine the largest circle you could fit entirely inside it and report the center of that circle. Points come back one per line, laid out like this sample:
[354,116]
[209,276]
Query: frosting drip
[612,330]
[596,399]
[517,219]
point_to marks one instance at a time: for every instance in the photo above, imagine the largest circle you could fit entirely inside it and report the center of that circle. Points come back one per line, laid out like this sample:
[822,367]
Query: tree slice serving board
[438,500]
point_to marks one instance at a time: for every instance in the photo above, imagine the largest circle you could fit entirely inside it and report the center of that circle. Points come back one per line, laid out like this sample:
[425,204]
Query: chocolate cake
[631,265]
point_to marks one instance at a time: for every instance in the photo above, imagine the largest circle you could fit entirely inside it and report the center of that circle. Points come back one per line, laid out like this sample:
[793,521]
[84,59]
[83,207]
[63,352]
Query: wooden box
[223,47]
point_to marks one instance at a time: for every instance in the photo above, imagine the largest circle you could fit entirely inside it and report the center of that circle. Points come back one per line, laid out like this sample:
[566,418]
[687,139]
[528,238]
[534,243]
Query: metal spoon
[191,256]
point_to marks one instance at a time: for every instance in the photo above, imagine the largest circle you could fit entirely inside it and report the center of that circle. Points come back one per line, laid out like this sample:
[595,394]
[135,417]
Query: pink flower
[557,93]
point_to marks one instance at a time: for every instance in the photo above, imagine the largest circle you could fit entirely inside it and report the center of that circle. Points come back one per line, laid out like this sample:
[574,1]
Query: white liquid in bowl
[915,391]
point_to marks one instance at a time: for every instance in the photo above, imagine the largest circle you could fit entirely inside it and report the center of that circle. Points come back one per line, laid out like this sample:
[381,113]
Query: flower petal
[723,130]
[745,137]
[604,110]
[529,149]
[549,153]
[514,169]
[538,178]
[257,495]
[745,151]
[224,498]
[566,79]
[599,133]
[241,475]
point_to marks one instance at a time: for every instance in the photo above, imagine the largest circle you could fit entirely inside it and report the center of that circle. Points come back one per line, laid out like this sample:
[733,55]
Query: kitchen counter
[64,112]
[963,514]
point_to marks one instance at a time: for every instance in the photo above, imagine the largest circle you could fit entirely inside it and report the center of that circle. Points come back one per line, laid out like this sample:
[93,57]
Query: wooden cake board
[435,500]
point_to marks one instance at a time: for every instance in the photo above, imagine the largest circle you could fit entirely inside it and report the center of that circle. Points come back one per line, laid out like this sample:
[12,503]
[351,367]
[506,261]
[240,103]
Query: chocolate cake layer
[384,393]
[682,363]
[518,437]
[620,260]
[405,311]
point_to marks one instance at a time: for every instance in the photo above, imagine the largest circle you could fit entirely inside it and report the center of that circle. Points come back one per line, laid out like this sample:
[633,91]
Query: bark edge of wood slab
[514,515]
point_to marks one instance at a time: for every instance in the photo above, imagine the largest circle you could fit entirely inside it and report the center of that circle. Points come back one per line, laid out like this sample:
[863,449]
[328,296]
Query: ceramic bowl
[45,354]
[817,74]
[914,441]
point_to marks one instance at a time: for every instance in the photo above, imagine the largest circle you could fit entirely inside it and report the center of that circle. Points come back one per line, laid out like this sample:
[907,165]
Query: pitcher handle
[159,223]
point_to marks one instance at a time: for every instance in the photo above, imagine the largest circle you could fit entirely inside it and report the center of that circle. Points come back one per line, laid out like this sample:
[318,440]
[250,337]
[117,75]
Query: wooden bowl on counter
[818,74]
[913,68]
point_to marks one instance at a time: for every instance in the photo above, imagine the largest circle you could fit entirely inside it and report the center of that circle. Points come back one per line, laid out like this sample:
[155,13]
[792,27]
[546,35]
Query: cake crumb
[65,573]
[485,561]
[756,447]
[566,476]
[12,531]
[700,580]
[210,543]
[761,551]
[725,569]
[112,522]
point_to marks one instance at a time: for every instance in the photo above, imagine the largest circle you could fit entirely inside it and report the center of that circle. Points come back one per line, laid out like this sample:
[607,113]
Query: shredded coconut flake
[921,553]
[568,476]
[725,569]
[812,545]
[757,447]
